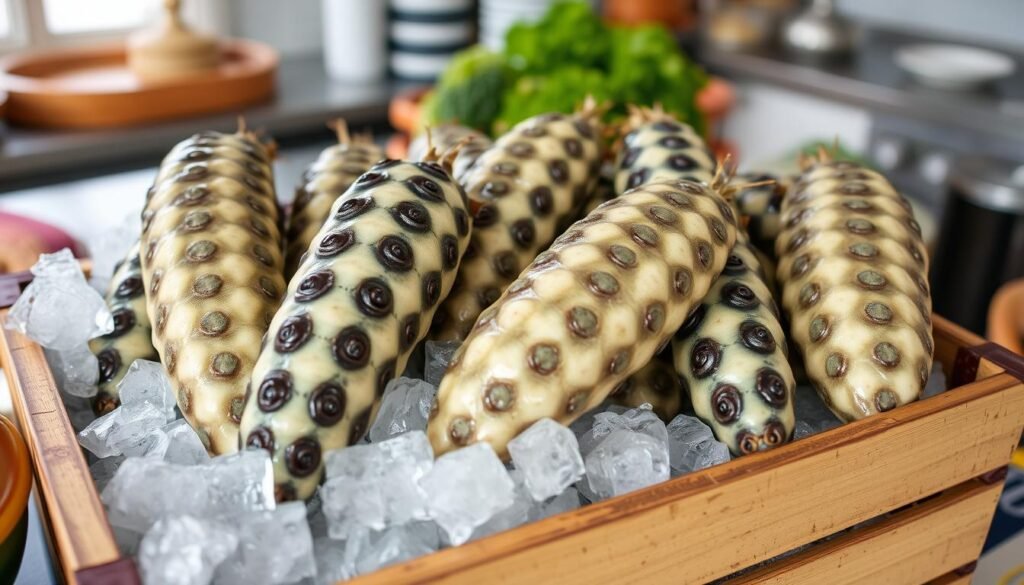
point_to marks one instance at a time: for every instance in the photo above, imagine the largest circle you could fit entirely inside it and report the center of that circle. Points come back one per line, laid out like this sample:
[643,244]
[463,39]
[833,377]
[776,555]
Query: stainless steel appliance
[981,244]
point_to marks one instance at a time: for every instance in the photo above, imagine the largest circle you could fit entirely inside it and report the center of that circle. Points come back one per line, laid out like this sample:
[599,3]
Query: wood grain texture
[925,541]
[952,579]
[949,339]
[78,527]
[93,88]
[708,525]
[692,529]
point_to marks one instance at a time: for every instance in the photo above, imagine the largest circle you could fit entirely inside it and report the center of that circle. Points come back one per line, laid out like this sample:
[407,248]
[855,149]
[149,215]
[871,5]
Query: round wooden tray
[93,87]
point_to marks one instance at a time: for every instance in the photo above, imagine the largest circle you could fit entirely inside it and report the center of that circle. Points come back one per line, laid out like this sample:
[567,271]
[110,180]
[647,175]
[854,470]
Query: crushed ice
[382,502]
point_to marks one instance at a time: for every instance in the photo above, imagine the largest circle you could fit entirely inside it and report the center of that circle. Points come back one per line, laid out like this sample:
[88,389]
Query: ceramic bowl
[953,66]
[15,484]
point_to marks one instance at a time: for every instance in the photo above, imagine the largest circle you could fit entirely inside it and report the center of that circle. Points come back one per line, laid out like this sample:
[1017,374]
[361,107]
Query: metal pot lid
[990,183]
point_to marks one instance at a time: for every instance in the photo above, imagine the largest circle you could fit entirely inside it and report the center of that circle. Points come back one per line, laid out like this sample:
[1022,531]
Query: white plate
[953,66]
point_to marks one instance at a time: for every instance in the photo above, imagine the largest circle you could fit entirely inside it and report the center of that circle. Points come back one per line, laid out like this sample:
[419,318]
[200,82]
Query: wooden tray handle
[119,572]
[968,359]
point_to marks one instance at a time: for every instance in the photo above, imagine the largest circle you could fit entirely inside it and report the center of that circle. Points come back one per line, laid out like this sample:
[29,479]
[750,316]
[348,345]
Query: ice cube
[243,481]
[145,489]
[585,422]
[109,247]
[273,547]
[438,356]
[184,447]
[75,370]
[377,485]
[103,471]
[153,444]
[58,309]
[336,559]
[521,510]
[330,561]
[404,407]
[356,546]
[465,488]
[563,502]
[936,382]
[184,550]
[549,458]
[125,429]
[147,381]
[692,445]
[626,460]
[641,419]
[397,545]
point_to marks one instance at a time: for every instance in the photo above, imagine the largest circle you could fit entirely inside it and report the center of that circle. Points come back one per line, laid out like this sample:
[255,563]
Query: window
[9,20]
[41,23]
[75,16]
[5,22]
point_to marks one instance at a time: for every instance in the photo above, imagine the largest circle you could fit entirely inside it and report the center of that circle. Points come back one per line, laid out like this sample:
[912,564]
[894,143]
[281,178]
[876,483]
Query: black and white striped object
[425,34]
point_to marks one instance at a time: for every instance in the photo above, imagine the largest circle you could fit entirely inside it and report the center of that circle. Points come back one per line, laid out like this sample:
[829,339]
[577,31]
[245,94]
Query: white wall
[291,26]
[989,22]
[769,123]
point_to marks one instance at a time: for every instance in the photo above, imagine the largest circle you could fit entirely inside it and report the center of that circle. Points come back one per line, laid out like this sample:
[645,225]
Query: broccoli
[470,90]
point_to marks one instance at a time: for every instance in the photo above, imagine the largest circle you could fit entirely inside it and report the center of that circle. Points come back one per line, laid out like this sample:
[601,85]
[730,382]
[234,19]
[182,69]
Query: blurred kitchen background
[930,93]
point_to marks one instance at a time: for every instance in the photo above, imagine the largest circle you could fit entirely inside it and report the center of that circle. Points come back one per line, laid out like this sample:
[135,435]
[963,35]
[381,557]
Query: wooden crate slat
[78,523]
[950,339]
[952,579]
[924,541]
[738,514]
[695,528]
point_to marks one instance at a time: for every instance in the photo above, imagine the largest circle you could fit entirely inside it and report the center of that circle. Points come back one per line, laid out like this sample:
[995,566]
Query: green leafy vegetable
[647,67]
[560,91]
[470,90]
[570,34]
[553,64]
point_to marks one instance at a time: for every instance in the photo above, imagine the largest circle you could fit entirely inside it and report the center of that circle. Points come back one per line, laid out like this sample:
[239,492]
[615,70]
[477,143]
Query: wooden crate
[928,474]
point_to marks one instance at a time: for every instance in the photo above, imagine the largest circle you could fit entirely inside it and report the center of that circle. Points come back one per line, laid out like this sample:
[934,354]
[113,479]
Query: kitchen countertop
[305,100]
[871,79]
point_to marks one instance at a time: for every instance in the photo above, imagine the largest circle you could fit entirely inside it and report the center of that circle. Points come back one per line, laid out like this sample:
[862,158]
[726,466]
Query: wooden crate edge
[929,520]
[702,481]
[80,533]
[696,487]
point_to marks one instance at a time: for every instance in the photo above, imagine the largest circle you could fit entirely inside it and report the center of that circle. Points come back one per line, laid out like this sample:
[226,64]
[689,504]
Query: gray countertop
[305,100]
[871,79]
